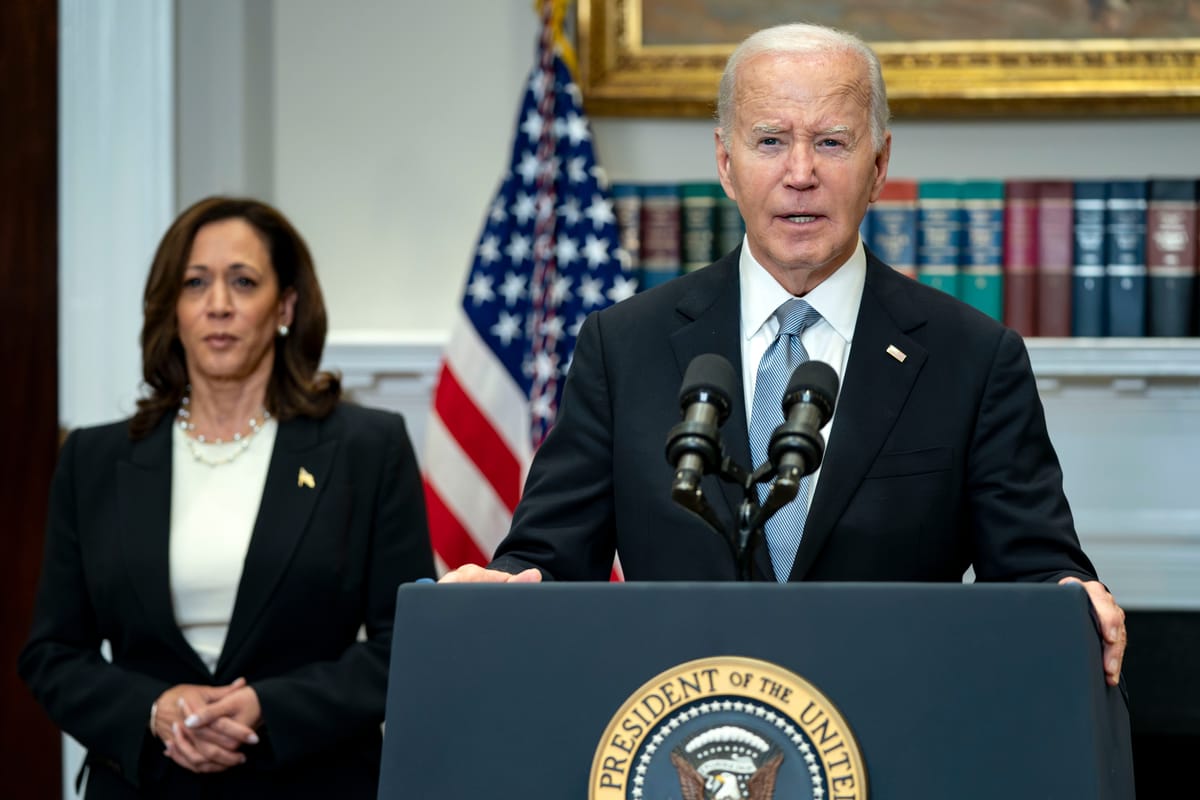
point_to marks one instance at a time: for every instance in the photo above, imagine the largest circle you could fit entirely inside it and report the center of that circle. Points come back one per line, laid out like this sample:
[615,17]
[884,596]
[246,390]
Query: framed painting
[941,58]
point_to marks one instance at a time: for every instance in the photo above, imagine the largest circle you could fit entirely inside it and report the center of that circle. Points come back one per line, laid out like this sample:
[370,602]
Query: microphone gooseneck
[694,445]
[796,447]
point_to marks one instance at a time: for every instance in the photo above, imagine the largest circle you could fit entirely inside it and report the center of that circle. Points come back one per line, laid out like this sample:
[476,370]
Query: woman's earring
[283,330]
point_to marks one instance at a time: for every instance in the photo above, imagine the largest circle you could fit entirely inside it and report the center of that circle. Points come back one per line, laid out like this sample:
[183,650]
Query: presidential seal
[727,728]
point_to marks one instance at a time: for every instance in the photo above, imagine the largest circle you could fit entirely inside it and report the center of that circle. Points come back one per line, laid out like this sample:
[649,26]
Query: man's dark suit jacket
[323,561]
[935,462]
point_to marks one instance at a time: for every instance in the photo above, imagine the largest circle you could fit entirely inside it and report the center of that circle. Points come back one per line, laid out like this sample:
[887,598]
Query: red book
[1056,257]
[1021,255]
[661,257]
[1171,255]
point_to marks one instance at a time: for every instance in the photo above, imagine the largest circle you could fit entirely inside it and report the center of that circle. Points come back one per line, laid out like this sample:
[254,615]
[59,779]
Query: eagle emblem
[727,762]
[727,728]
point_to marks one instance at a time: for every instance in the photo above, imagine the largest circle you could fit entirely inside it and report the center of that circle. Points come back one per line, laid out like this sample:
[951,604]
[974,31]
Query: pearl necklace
[200,447]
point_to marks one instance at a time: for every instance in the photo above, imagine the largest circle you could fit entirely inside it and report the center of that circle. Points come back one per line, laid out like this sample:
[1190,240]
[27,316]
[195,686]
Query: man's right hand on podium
[473,573]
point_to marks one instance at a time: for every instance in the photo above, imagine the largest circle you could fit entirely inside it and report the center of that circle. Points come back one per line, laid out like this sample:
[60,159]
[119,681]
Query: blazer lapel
[711,311]
[873,392]
[297,475]
[144,500]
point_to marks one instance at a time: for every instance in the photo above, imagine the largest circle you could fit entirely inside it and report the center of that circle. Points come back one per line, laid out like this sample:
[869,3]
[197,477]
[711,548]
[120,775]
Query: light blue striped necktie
[784,528]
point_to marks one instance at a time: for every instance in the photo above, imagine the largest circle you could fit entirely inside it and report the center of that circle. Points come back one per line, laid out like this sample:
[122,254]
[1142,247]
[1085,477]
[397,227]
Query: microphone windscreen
[819,380]
[709,374]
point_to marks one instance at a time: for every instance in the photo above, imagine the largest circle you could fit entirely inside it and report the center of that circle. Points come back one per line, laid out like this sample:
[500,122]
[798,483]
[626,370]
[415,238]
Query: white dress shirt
[836,299]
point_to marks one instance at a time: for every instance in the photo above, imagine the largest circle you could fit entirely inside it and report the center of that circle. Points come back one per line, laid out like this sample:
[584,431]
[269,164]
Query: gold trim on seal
[728,678]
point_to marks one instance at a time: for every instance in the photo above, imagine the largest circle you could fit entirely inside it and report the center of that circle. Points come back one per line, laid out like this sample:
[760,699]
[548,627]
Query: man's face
[801,164]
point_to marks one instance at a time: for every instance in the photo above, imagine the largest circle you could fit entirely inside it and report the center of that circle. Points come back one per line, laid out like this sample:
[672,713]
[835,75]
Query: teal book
[698,223]
[939,234]
[981,282]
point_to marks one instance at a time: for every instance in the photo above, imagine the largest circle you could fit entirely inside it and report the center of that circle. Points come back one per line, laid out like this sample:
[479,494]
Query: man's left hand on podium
[1111,621]
[473,573]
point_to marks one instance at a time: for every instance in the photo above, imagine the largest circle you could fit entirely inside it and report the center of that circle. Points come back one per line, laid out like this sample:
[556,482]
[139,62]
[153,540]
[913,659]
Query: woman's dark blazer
[324,561]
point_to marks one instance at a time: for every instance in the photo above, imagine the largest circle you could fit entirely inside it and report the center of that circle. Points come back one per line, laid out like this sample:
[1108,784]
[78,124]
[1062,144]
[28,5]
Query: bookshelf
[1047,257]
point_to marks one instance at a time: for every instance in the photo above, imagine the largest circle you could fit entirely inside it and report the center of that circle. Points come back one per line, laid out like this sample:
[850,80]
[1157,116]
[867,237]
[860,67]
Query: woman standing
[238,542]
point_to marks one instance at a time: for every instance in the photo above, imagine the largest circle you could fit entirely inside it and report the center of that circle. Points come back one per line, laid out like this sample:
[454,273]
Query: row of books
[1046,257]
[670,228]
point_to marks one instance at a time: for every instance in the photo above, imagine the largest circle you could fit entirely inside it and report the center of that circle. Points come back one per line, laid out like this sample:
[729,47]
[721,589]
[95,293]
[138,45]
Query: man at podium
[938,456]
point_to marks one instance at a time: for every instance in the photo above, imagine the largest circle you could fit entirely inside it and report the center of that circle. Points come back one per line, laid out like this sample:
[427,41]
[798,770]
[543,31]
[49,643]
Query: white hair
[804,38]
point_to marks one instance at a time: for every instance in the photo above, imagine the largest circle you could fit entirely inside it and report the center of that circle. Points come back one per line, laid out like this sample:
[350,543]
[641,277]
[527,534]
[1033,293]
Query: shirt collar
[836,298]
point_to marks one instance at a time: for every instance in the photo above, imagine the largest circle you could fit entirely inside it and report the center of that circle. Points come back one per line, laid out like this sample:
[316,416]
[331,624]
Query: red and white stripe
[477,451]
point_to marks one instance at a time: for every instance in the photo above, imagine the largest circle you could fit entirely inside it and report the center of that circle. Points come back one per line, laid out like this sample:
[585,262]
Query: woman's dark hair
[296,387]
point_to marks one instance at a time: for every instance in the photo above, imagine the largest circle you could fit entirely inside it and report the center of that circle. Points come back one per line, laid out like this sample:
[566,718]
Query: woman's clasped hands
[205,727]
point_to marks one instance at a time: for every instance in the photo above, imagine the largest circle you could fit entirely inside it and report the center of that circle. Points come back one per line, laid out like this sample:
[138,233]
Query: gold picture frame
[621,75]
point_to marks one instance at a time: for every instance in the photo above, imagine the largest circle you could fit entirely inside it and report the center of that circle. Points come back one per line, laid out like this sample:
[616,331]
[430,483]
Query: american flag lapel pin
[896,353]
[305,478]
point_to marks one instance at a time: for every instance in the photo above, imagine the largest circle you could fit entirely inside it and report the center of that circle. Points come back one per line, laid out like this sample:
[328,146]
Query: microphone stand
[796,449]
[747,534]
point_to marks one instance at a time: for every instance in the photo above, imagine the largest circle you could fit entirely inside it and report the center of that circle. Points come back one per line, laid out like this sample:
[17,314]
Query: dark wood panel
[29,744]
[1164,698]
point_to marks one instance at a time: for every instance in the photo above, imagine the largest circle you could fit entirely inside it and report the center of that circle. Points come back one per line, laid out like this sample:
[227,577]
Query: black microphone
[694,445]
[797,446]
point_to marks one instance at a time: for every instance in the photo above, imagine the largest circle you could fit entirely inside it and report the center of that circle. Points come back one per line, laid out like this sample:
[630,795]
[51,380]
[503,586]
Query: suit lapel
[874,390]
[297,475]
[711,311]
[144,499]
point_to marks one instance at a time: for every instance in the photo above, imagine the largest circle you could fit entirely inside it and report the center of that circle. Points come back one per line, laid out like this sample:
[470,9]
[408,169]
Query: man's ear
[724,165]
[881,166]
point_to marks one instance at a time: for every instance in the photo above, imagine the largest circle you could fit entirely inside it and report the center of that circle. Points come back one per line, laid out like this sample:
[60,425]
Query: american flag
[547,257]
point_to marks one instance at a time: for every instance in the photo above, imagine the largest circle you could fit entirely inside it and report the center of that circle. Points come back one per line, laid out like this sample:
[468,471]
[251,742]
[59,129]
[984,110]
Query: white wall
[381,128]
[648,149]
[222,49]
